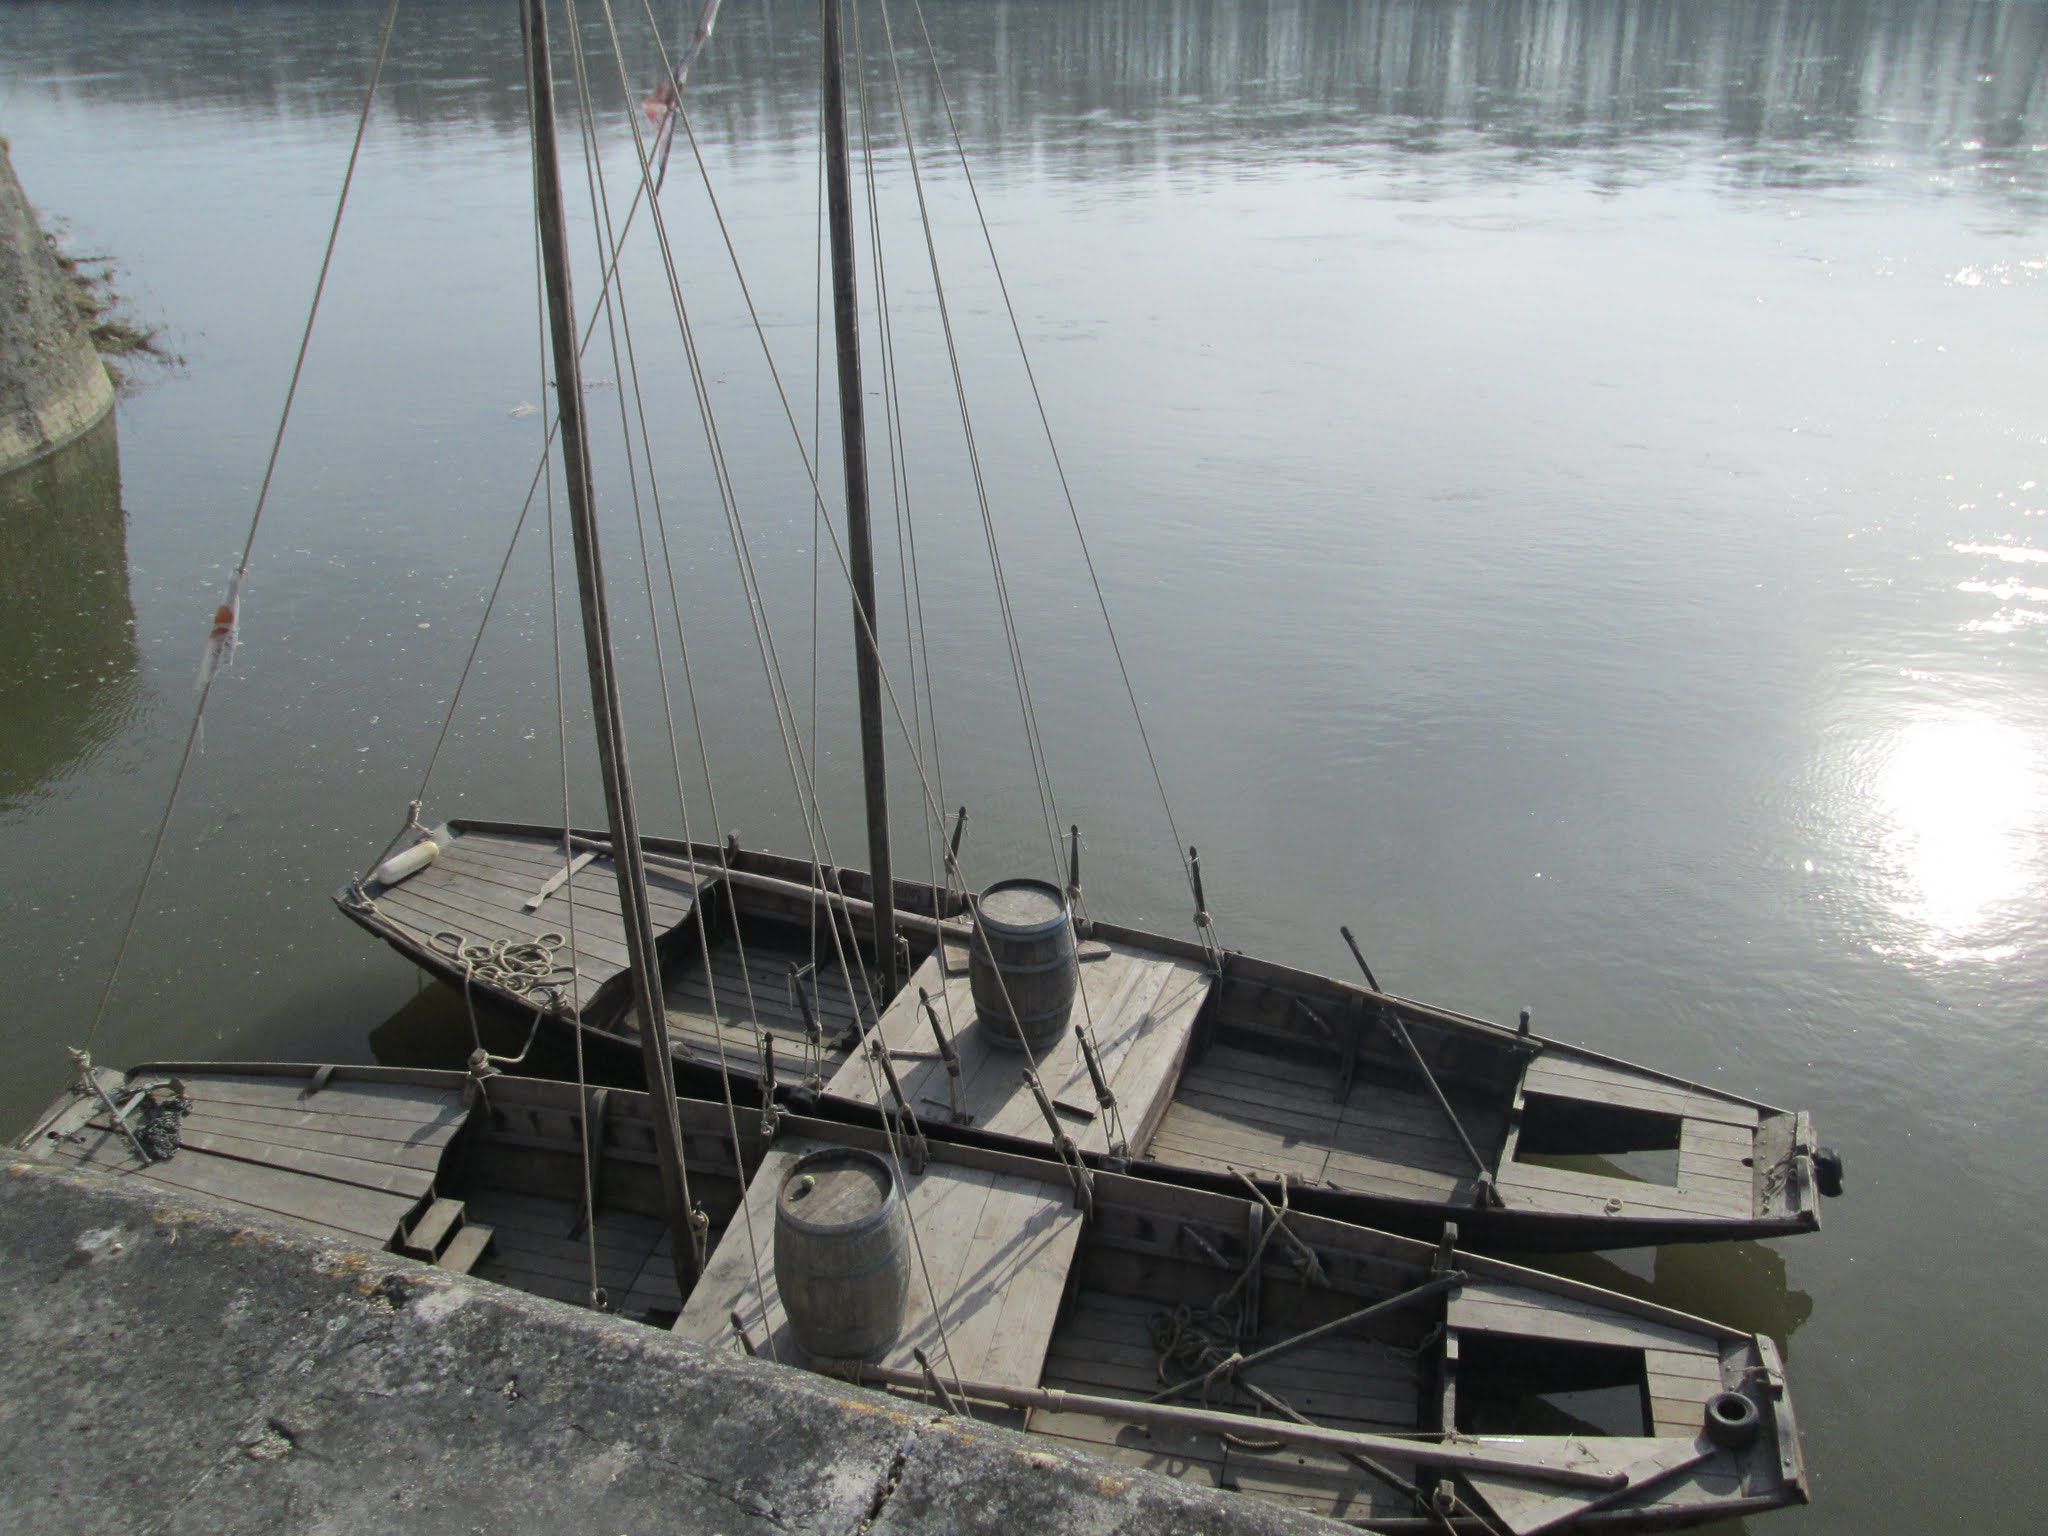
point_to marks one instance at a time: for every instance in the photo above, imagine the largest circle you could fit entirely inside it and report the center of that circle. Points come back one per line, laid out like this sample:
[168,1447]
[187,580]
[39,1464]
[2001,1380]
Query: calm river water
[1571,479]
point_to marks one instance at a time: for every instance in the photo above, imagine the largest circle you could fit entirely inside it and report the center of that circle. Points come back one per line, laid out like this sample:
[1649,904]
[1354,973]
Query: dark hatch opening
[1610,1140]
[1517,1386]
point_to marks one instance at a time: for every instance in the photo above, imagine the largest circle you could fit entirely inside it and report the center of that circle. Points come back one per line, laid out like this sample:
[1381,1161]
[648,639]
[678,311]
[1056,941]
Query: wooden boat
[1216,1061]
[1388,1383]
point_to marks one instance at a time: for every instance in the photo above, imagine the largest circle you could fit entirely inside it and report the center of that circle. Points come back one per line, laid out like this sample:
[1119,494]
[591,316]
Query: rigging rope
[792,742]
[1034,741]
[249,541]
[601,216]
[916,643]
[1042,770]
[1180,843]
[743,553]
[541,468]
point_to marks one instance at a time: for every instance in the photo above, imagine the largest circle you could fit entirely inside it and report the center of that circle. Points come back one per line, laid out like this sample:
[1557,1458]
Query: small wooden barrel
[842,1254]
[1020,963]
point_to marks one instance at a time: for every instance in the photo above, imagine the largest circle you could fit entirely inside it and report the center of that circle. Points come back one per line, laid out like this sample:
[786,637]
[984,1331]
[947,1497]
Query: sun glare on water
[1961,801]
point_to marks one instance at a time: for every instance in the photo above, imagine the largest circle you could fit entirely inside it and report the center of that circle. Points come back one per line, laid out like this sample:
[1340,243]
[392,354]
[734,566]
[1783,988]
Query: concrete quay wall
[171,1366]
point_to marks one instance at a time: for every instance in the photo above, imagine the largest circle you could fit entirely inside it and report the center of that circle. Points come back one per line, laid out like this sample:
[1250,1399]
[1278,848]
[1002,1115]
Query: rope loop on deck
[527,968]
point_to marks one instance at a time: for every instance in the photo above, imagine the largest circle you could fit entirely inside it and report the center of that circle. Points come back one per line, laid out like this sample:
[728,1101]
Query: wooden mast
[859,544]
[604,694]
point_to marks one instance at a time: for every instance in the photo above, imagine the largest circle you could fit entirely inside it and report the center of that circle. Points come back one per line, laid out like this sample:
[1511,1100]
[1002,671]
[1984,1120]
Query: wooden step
[430,1234]
[469,1245]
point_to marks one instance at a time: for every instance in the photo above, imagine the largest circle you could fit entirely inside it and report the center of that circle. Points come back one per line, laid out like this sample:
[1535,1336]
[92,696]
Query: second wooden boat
[1372,1107]
[1387,1383]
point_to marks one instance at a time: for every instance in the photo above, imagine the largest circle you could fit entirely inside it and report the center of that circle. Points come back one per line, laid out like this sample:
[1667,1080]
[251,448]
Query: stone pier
[53,386]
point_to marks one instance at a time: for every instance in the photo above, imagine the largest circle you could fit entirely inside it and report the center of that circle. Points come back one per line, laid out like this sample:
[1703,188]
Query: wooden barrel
[842,1254]
[1020,963]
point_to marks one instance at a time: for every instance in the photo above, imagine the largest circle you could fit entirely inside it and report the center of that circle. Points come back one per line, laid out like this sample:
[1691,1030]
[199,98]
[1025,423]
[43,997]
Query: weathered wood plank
[378,1138]
[995,1273]
[340,1168]
[1493,1308]
[434,911]
[1567,1077]
[1533,1183]
[422,1107]
[511,859]
[1140,1006]
[360,1214]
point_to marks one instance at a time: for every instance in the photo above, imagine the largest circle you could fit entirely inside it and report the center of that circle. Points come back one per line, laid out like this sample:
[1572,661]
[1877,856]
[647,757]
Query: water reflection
[1744,1285]
[67,628]
[1946,93]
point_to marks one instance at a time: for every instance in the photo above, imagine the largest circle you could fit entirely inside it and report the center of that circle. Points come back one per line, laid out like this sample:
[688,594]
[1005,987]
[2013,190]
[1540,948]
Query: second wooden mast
[859,542]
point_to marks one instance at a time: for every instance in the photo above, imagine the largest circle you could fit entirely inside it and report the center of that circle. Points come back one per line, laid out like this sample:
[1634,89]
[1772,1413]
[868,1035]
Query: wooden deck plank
[1348,1170]
[381,1138]
[1531,1183]
[1235,1104]
[1210,1141]
[467,910]
[1375,1108]
[513,859]
[1568,1077]
[1306,1480]
[996,1248]
[338,1168]
[422,1107]
[459,911]
[1141,1007]
[360,1214]
[1268,1161]
[670,896]
[1694,1365]
[686,986]
[1006,1341]
[1493,1308]
[453,877]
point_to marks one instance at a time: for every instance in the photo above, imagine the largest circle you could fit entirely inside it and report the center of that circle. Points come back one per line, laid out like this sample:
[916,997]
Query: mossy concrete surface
[167,1365]
[53,385]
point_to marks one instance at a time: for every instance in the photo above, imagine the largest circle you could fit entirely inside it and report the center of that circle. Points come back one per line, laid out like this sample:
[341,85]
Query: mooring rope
[163,824]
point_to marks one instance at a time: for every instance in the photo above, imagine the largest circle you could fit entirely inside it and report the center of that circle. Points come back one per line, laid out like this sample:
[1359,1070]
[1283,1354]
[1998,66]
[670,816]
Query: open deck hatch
[1638,1144]
[1510,1385]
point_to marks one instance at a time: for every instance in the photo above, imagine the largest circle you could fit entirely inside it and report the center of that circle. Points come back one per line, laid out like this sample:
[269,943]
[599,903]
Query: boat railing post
[1113,1120]
[1205,926]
